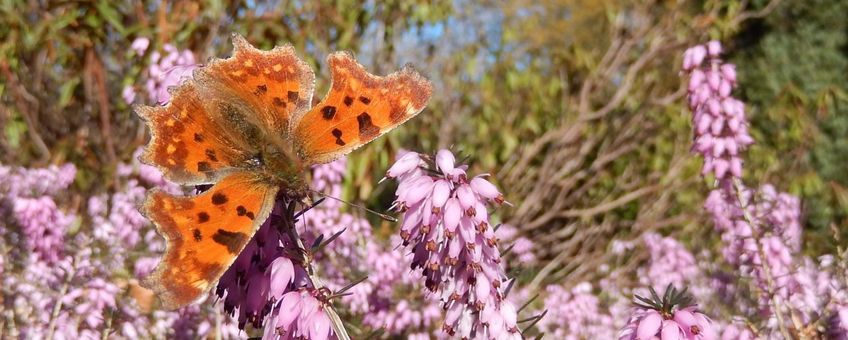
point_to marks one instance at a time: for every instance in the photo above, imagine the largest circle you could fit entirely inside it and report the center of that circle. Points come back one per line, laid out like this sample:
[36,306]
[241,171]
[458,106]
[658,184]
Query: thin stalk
[775,300]
[338,326]
[51,329]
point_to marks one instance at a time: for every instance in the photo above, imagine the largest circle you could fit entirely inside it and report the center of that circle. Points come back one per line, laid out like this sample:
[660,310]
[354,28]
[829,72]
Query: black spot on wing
[328,112]
[232,240]
[219,198]
[367,129]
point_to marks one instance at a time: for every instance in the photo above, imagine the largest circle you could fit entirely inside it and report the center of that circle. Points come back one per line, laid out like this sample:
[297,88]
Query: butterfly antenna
[379,214]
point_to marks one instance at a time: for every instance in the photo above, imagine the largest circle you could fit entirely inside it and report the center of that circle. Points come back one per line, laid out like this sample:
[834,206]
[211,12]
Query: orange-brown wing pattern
[359,107]
[204,234]
[275,85]
[187,144]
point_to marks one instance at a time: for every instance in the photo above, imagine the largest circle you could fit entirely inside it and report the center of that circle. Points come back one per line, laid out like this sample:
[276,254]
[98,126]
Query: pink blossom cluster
[521,248]
[394,299]
[719,119]
[669,263]
[576,313]
[760,229]
[446,227]
[166,70]
[28,196]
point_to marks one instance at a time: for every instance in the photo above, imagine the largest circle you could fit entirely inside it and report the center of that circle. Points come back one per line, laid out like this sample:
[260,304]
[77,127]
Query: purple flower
[452,243]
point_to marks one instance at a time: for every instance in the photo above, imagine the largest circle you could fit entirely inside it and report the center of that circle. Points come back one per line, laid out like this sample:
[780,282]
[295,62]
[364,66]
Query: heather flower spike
[446,227]
[719,121]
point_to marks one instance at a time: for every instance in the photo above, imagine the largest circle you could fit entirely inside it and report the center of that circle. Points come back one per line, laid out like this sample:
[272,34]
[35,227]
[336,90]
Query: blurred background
[576,107]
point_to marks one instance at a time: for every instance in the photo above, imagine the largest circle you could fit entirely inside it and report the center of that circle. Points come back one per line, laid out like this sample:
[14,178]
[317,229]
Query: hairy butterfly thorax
[246,126]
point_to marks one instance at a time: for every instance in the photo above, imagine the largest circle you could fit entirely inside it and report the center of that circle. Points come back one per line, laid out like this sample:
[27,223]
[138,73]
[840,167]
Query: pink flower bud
[453,213]
[421,188]
[713,79]
[485,188]
[721,167]
[725,88]
[714,107]
[704,143]
[687,60]
[482,288]
[704,122]
[466,198]
[445,160]
[728,71]
[698,55]
[718,147]
[717,125]
[714,48]
[404,165]
[282,274]
[441,193]
[696,79]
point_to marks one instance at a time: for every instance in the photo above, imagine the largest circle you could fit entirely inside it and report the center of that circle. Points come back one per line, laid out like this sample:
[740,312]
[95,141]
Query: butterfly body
[245,124]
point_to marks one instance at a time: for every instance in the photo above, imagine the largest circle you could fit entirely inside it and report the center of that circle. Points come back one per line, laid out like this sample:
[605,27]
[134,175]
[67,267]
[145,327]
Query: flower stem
[775,300]
[338,326]
[51,330]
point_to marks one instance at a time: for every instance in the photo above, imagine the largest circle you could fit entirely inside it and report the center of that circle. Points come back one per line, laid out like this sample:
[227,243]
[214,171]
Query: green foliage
[793,66]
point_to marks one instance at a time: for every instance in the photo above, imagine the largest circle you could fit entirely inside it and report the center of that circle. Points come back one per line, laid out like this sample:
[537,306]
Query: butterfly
[246,125]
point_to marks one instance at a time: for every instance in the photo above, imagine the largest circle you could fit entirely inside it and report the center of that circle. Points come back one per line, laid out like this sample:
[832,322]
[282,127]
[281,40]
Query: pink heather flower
[447,229]
[168,71]
[522,247]
[776,221]
[575,314]
[719,122]
[670,263]
[667,319]
[128,94]
[737,332]
[43,225]
[300,314]
[32,183]
[139,45]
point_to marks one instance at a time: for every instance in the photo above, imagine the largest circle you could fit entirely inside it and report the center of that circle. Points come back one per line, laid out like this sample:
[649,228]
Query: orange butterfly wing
[275,85]
[204,234]
[187,142]
[359,108]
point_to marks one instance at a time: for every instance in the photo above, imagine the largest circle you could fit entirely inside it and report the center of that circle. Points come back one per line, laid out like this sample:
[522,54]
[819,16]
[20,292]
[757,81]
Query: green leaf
[66,91]
[111,15]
